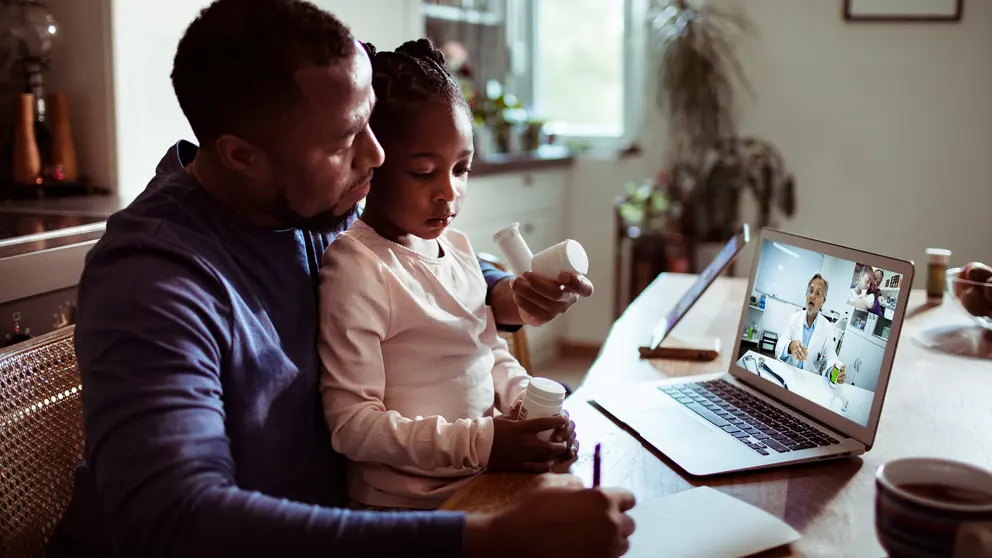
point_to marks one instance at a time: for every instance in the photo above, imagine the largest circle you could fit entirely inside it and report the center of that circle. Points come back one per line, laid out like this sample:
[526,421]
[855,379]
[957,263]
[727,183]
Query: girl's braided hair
[411,76]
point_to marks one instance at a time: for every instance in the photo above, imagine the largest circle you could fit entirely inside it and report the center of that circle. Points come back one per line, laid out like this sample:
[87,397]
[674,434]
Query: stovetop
[13,225]
[26,231]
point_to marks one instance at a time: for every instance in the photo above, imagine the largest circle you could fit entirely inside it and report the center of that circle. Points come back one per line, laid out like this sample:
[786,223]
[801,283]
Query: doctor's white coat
[822,350]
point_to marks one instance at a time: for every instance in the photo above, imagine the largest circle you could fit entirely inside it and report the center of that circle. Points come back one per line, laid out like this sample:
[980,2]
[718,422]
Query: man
[196,329]
[807,342]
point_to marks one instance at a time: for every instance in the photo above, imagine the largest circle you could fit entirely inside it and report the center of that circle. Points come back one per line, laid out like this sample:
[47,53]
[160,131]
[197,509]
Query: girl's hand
[516,446]
[566,434]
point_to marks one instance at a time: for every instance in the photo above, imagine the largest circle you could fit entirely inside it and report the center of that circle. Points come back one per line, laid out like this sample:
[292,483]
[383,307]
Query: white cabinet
[533,199]
[870,365]
[863,358]
[850,352]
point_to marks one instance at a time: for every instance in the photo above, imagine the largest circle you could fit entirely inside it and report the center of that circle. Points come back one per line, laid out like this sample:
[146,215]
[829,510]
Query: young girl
[412,363]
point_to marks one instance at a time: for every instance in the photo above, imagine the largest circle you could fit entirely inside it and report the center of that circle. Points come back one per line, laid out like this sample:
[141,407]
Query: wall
[887,128]
[784,271]
[148,117]
[783,278]
[838,274]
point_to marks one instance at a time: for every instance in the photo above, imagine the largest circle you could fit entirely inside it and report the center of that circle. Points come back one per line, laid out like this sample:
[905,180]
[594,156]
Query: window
[578,64]
[586,66]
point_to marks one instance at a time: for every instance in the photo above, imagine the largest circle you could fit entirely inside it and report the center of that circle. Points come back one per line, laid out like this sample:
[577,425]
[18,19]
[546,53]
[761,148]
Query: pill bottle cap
[545,391]
[573,257]
[938,256]
[511,229]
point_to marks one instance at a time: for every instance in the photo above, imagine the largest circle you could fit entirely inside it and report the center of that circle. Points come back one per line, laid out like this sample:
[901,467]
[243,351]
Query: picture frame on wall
[948,11]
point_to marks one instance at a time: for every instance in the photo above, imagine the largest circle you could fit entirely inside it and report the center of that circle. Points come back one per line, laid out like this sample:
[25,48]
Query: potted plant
[699,78]
[647,238]
[699,73]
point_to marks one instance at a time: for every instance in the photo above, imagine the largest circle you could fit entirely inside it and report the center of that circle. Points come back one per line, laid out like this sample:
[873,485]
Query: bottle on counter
[27,157]
[63,151]
[937,260]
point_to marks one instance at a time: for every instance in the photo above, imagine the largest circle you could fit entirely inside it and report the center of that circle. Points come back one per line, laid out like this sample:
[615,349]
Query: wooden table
[938,403]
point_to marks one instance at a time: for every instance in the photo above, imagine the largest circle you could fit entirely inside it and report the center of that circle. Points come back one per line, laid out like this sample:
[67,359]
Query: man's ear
[239,155]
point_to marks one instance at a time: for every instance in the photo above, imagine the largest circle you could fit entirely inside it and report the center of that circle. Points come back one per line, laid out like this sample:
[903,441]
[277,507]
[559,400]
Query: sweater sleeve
[151,336]
[493,276]
[354,320]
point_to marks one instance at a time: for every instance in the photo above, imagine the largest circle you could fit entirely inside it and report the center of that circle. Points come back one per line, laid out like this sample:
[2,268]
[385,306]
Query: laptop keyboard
[756,424]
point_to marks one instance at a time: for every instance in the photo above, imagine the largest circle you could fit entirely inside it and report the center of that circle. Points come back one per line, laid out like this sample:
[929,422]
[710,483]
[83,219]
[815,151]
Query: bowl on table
[971,288]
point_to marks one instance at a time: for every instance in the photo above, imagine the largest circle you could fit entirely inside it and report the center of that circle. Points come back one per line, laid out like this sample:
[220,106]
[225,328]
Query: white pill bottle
[565,257]
[543,398]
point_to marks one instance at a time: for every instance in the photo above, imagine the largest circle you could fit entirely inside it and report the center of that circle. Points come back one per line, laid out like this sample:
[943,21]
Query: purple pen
[596,466]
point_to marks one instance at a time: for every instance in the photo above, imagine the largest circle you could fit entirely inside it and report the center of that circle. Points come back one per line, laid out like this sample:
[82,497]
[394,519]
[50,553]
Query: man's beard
[325,222]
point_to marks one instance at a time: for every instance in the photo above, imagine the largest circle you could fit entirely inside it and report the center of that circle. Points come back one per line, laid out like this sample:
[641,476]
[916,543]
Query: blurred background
[648,130]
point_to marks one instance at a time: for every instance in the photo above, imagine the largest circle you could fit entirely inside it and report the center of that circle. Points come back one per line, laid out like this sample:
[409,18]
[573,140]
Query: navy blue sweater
[196,338]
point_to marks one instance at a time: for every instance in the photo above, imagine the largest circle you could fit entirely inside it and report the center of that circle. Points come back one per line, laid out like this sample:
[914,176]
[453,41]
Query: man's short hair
[237,61]
[826,286]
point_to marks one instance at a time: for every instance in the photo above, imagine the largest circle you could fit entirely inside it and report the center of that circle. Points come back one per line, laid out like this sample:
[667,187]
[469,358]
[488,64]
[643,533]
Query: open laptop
[773,407]
[723,259]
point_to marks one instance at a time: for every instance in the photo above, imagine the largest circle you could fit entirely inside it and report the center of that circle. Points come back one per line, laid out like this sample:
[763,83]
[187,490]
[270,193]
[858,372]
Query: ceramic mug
[933,508]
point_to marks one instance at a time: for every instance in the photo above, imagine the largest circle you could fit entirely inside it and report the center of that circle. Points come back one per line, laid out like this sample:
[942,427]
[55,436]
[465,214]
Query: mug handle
[974,540]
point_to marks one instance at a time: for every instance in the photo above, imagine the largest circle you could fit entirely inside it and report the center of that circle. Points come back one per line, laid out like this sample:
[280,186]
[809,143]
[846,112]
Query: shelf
[546,157]
[461,15]
[755,308]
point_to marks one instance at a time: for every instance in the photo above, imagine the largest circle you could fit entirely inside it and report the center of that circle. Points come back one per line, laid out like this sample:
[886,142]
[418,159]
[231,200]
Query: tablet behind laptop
[723,260]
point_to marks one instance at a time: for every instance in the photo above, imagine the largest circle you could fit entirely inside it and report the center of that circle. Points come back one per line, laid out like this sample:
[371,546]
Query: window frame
[522,35]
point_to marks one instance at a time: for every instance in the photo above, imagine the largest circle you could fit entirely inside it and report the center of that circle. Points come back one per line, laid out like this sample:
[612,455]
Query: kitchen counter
[96,205]
[546,157]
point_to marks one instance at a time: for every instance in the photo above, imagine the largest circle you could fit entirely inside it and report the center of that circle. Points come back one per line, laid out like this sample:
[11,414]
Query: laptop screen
[818,325]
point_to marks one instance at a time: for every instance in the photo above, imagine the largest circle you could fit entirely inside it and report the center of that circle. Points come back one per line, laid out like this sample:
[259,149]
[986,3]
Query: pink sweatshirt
[411,365]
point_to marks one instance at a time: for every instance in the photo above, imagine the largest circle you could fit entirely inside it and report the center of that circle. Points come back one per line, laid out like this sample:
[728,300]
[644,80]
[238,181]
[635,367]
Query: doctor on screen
[807,341]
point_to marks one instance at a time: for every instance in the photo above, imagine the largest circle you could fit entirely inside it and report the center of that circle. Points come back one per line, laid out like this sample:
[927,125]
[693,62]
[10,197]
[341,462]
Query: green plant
[643,206]
[699,77]
[698,72]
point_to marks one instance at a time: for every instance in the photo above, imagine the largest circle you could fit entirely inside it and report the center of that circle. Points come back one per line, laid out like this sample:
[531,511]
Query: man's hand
[842,375]
[535,301]
[797,350]
[557,517]
[541,300]
[516,446]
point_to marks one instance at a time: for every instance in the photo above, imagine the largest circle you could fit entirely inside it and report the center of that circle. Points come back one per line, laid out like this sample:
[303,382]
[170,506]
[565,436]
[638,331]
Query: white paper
[704,523]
